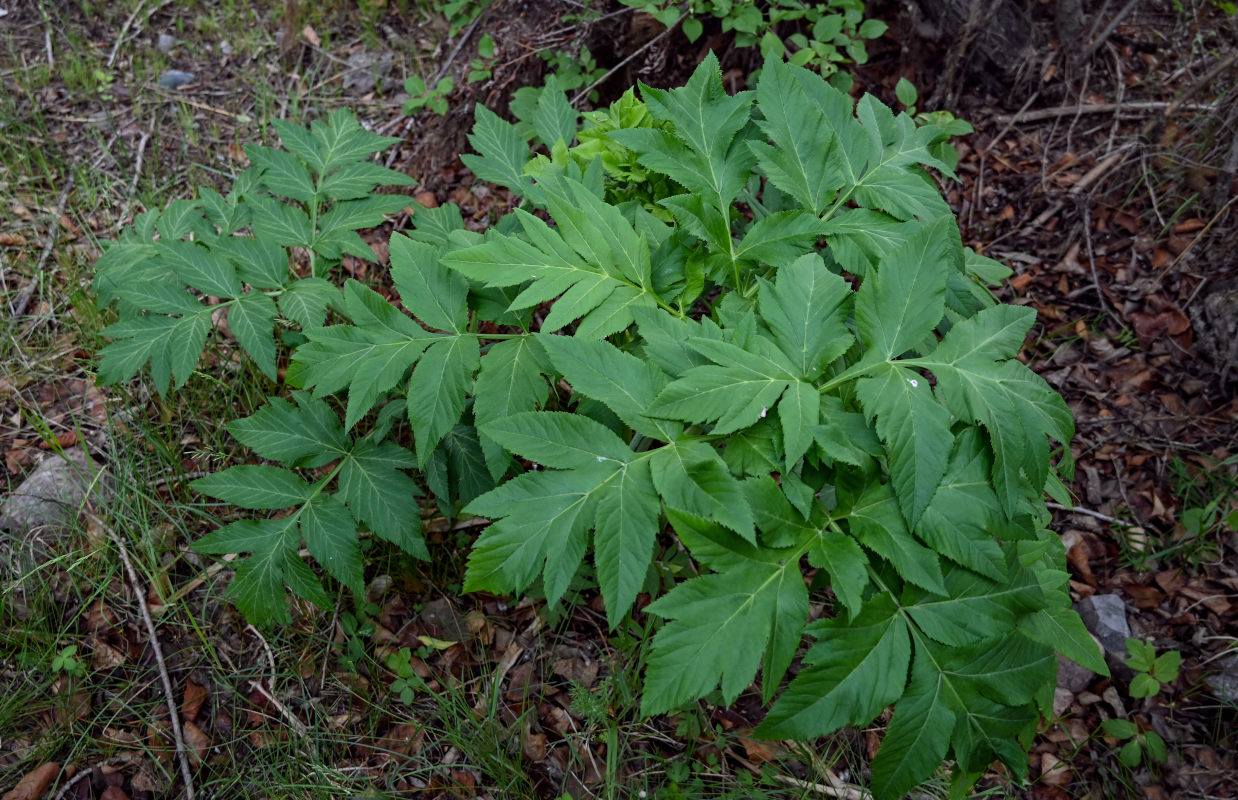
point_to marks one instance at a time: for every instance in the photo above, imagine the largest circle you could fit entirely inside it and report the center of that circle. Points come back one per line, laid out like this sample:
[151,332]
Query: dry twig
[1108,31]
[583,93]
[169,695]
[49,241]
[1040,114]
[297,725]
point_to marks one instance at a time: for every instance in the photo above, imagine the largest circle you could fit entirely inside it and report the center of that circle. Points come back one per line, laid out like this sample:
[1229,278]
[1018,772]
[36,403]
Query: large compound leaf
[436,295]
[691,477]
[380,494]
[806,308]
[899,306]
[919,733]
[916,430]
[624,383]
[543,519]
[509,381]
[305,435]
[760,604]
[854,671]
[503,153]
[799,159]
[438,388]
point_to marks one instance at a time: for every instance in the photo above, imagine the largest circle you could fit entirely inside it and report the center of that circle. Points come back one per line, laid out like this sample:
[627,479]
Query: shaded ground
[1107,185]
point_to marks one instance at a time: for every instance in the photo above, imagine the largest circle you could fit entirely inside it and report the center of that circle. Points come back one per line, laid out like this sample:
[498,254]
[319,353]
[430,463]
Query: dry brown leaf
[534,746]
[311,35]
[12,240]
[114,793]
[191,704]
[74,703]
[35,783]
[197,741]
[104,656]
[758,752]
[1053,771]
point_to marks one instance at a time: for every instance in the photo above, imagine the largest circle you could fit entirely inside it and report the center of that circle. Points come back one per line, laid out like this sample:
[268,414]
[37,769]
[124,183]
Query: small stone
[1105,617]
[225,47]
[366,71]
[1062,700]
[41,511]
[52,494]
[1224,682]
[175,79]
[166,43]
[1072,677]
[445,621]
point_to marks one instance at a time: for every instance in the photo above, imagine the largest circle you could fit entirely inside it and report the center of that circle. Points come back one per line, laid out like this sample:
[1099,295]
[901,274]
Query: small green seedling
[1154,671]
[1138,743]
[408,682]
[479,68]
[421,96]
[68,663]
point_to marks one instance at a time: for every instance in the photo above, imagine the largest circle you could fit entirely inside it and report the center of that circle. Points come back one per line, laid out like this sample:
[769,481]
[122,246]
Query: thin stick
[438,76]
[297,725]
[131,757]
[583,93]
[839,789]
[1108,31]
[243,119]
[49,241]
[1039,114]
[1086,205]
[1087,512]
[124,29]
[1092,176]
[168,695]
[513,652]
[1202,231]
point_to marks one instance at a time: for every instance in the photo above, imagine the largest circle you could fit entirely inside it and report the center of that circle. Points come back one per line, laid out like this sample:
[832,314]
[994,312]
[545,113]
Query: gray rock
[366,71]
[445,621]
[166,43]
[1072,677]
[225,47]
[1105,617]
[1223,683]
[40,512]
[175,79]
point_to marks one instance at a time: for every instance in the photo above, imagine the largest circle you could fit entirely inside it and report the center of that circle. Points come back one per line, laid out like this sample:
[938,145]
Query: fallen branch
[1108,31]
[1083,184]
[297,725]
[168,695]
[49,242]
[583,93]
[1087,512]
[1039,114]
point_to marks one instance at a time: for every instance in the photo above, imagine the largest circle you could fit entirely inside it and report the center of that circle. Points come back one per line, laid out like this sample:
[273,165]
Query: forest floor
[1105,177]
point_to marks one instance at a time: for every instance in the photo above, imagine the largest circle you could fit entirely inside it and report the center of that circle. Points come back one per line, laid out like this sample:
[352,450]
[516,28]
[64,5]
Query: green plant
[1153,671]
[479,68]
[407,682]
[67,662]
[1138,742]
[782,360]
[1209,499]
[173,272]
[421,97]
[825,35]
